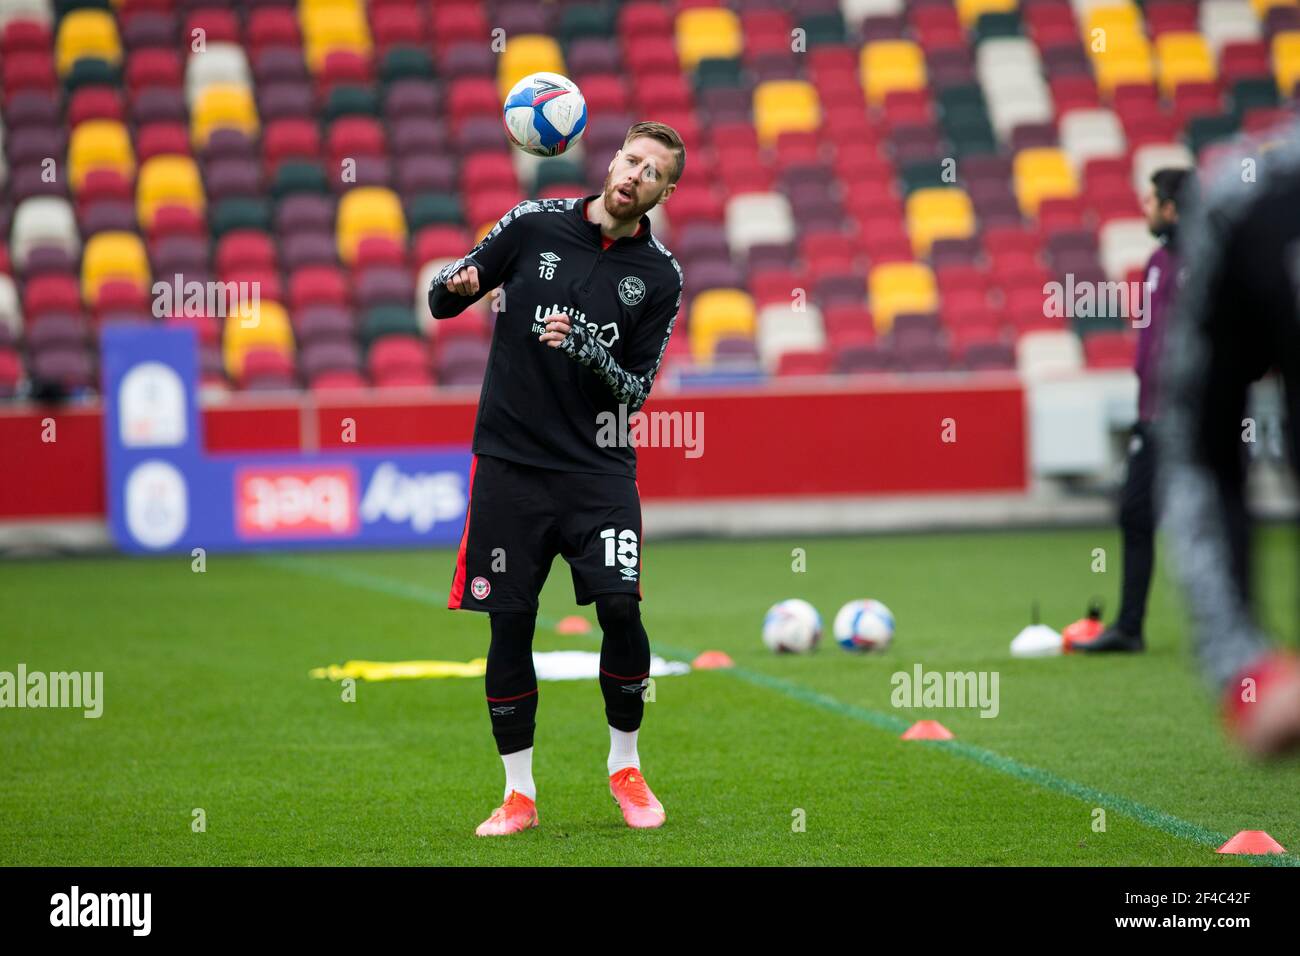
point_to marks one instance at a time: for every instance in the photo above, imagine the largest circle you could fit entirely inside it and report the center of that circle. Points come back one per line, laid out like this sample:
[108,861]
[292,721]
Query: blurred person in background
[1137,508]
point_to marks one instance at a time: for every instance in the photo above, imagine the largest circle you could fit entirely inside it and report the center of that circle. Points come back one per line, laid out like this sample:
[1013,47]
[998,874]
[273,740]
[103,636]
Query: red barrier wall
[774,441]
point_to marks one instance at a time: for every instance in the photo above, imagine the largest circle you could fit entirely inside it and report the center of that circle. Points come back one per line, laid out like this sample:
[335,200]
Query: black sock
[624,660]
[511,682]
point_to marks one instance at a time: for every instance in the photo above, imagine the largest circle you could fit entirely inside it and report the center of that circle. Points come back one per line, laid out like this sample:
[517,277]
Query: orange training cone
[573,624]
[713,661]
[927,730]
[1253,842]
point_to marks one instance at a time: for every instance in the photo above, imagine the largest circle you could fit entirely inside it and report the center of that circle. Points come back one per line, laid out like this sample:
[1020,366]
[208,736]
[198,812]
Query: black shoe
[1112,640]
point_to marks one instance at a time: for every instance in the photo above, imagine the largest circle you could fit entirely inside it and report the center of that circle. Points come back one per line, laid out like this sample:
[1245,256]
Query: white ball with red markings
[864,625]
[792,627]
[545,114]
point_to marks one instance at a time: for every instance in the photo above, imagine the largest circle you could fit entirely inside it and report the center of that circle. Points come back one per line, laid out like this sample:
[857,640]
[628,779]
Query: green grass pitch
[208,705]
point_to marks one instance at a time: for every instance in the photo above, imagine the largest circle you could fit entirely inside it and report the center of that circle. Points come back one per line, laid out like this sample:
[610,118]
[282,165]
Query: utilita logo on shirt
[293,502]
[606,334]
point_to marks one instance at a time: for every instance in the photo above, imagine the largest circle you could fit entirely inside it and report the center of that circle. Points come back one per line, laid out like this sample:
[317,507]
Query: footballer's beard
[628,213]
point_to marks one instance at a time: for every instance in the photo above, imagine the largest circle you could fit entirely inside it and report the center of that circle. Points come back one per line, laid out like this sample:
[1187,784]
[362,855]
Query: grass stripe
[1045,779]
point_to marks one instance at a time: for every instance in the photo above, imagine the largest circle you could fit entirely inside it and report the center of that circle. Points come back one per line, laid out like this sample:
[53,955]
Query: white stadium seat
[756,218]
[43,221]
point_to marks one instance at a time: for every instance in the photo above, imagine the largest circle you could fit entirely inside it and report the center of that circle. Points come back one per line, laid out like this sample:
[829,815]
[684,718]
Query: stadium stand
[874,185]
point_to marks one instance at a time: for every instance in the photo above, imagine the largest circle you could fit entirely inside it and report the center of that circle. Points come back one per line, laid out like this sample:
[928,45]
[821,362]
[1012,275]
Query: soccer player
[1137,511]
[587,301]
[1238,314]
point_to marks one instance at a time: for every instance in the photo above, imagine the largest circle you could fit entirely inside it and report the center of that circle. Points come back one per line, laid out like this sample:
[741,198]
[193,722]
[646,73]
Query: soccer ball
[545,114]
[864,626]
[792,627]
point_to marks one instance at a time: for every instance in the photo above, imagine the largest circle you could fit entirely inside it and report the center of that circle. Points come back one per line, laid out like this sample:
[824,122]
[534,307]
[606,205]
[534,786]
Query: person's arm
[631,381]
[460,284]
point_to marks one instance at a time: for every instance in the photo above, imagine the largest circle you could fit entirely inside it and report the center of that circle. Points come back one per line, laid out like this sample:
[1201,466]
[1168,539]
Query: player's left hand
[557,327]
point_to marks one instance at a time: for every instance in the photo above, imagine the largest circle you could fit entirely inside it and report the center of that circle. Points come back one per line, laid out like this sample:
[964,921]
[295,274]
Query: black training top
[545,406]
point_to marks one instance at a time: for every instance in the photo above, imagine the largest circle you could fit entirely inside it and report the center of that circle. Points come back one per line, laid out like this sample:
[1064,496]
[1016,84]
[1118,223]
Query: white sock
[622,750]
[519,773]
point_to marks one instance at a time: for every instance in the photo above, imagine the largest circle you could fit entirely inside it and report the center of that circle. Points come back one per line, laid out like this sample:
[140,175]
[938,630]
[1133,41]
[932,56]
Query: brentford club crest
[480,588]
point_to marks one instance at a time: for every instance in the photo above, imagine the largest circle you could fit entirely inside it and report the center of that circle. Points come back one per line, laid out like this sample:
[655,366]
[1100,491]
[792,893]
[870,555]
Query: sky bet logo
[75,908]
[325,501]
[296,501]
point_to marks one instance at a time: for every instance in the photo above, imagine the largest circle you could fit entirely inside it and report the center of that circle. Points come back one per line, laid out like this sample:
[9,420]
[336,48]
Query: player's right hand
[464,282]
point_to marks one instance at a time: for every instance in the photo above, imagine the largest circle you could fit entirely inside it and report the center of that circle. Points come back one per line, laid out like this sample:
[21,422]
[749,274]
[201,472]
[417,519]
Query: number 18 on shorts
[520,517]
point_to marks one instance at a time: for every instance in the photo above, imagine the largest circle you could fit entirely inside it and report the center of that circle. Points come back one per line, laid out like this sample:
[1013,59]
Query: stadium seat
[266,327]
[1286,62]
[755,218]
[111,256]
[707,32]
[43,221]
[1183,58]
[221,64]
[99,144]
[887,66]
[1048,354]
[1125,244]
[784,106]
[782,329]
[898,287]
[330,25]
[87,34]
[718,314]
[1042,173]
[223,106]
[165,181]
[971,10]
[938,214]
[367,211]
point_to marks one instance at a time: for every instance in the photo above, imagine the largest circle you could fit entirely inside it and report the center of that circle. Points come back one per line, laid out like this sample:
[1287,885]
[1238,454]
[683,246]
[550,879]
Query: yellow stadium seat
[1114,20]
[938,213]
[718,314]
[267,326]
[1043,173]
[784,106]
[99,144]
[87,33]
[1286,61]
[167,180]
[368,211]
[527,54]
[970,10]
[113,257]
[898,287]
[223,106]
[331,26]
[887,66]
[1183,58]
[1125,57]
[707,32]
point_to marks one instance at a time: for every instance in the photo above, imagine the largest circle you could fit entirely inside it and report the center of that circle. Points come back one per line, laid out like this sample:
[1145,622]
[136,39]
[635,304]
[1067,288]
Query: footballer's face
[637,180]
[1159,215]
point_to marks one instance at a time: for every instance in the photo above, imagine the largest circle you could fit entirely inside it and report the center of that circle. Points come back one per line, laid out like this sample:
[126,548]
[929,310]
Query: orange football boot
[641,809]
[517,813]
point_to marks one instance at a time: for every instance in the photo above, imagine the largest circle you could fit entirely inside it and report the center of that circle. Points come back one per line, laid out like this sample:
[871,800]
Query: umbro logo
[546,264]
[629,574]
[504,711]
[634,688]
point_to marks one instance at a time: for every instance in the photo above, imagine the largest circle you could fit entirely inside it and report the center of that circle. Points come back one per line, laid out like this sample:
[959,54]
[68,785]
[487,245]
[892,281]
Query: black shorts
[521,517]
